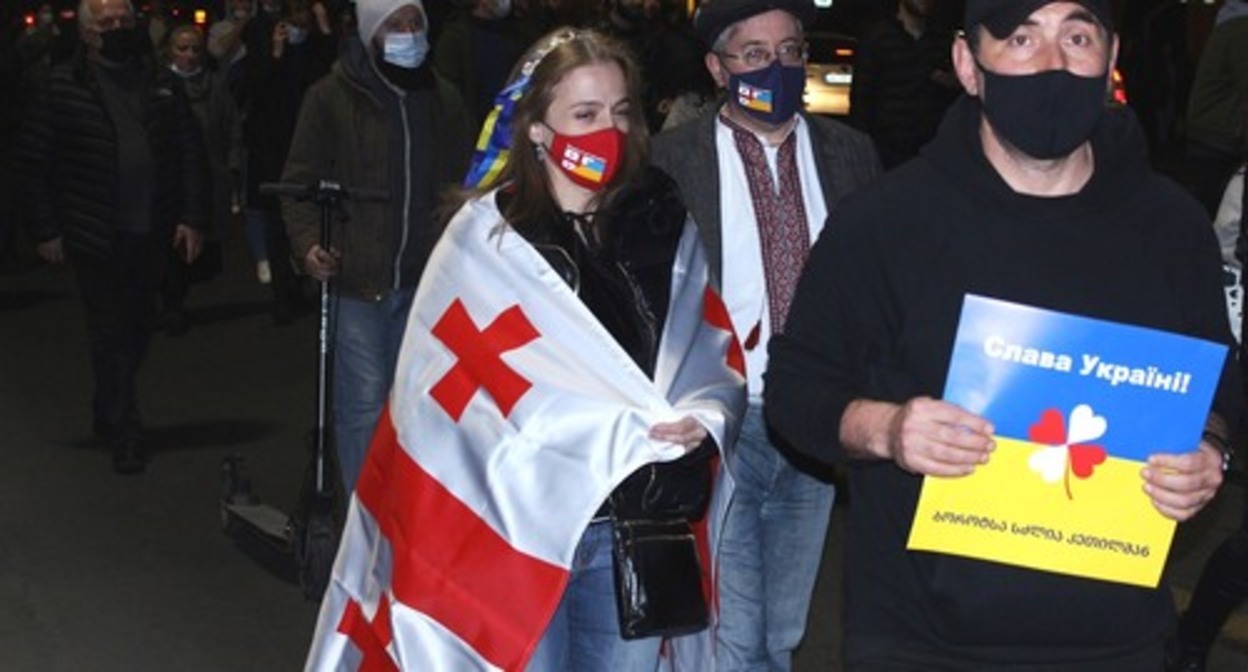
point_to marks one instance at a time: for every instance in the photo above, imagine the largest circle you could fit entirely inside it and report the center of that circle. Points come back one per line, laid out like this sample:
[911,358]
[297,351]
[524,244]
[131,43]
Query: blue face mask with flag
[406,50]
[772,95]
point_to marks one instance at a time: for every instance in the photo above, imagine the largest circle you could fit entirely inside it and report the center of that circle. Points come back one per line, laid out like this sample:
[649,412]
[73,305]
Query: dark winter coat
[356,129]
[66,159]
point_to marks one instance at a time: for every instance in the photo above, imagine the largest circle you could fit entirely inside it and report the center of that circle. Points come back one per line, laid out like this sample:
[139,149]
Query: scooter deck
[264,520]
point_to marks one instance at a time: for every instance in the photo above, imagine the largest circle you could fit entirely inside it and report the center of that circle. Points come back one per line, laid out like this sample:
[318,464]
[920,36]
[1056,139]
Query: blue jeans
[584,633]
[770,551]
[367,337]
[256,225]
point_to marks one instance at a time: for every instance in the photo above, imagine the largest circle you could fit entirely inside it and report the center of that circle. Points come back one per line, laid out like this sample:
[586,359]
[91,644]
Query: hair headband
[494,142]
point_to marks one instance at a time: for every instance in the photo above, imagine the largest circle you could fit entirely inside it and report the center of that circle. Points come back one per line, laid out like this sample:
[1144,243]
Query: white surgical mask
[240,14]
[406,50]
[185,75]
[296,35]
[500,8]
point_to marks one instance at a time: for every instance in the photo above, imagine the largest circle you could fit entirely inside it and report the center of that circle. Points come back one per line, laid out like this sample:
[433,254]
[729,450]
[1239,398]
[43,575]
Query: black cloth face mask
[408,79]
[1046,115]
[120,44]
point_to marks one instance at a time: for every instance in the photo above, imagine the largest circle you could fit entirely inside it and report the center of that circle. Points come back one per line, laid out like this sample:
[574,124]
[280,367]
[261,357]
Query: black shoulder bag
[658,573]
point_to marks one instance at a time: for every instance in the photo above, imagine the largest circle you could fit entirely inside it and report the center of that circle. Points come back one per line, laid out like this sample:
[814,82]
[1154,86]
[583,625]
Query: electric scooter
[310,533]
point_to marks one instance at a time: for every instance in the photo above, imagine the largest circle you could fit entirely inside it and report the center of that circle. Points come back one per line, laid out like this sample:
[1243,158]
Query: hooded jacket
[361,131]
[875,316]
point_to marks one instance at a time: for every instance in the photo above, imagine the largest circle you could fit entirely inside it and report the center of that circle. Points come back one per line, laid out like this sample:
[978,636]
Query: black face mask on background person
[120,44]
[408,79]
[1046,115]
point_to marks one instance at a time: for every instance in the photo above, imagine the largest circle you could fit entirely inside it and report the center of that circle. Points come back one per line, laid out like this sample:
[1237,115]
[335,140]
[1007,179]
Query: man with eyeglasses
[760,178]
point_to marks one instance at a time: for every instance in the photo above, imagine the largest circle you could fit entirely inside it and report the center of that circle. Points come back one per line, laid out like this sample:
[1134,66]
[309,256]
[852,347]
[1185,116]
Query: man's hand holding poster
[1078,405]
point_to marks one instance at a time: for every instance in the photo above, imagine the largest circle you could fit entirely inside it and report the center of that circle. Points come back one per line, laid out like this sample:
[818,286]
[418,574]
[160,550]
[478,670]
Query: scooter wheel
[316,544]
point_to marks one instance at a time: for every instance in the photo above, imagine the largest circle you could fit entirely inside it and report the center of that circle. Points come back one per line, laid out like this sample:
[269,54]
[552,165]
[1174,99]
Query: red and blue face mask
[589,160]
[772,94]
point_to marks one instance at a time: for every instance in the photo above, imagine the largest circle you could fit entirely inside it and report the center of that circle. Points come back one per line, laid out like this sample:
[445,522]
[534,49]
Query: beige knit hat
[370,14]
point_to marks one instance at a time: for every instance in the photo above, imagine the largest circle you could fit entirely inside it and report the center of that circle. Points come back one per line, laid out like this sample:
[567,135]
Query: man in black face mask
[1034,192]
[113,171]
[381,120]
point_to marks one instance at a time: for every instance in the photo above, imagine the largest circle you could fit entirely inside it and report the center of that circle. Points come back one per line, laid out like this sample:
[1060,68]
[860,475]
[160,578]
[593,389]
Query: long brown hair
[530,203]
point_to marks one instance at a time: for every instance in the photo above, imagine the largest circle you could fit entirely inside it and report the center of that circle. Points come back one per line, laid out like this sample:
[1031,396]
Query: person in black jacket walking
[112,170]
[903,81]
[286,54]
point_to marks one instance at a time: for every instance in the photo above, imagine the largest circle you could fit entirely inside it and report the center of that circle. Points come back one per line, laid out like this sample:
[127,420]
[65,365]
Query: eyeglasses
[789,53]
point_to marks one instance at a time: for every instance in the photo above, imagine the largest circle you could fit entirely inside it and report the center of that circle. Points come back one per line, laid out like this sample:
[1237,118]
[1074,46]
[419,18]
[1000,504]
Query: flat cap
[714,16]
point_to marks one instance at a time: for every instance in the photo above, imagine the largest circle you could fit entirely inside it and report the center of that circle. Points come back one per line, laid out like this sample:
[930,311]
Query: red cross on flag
[514,413]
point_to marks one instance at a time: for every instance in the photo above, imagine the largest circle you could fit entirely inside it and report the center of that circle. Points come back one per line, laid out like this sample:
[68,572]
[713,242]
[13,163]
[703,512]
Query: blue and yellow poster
[1078,405]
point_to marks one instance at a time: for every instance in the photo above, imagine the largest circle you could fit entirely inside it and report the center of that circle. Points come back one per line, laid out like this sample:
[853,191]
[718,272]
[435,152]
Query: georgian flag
[513,415]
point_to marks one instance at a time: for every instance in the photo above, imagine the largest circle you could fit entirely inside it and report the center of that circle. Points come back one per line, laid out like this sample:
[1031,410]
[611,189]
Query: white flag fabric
[513,415]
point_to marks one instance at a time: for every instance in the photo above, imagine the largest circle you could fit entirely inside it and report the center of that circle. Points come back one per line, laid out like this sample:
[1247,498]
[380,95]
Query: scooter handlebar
[324,189]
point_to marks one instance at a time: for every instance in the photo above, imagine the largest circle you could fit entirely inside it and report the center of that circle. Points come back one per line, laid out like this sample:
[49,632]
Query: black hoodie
[875,316]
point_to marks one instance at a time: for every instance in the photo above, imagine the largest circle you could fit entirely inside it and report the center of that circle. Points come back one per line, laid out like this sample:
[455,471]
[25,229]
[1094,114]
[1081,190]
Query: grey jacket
[846,160]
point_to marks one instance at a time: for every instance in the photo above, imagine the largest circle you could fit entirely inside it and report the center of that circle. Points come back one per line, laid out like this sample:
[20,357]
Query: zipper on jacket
[407,192]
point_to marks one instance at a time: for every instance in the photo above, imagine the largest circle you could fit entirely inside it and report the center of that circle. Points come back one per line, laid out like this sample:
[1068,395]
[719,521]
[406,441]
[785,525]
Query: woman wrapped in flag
[543,489]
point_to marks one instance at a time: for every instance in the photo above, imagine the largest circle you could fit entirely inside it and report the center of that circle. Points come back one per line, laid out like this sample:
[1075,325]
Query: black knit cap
[1001,17]
[714,16]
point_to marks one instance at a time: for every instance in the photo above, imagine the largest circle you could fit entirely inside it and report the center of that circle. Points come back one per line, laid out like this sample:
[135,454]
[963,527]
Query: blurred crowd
[137,190]
[245,71]
[902,83]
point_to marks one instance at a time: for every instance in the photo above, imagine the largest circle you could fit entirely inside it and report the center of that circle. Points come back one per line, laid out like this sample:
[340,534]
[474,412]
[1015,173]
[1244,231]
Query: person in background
[1158,65]
[572,12]
[1030,185]
[112,171]
[26,56]
[35,51]
[156,21]
[1216,135]
[670,58]
[227,47]
[216,114]
[1223,583]
[687,90]
[383,120]
[760,178]
[476,50]
[298,50]
[226,42]
[903,81]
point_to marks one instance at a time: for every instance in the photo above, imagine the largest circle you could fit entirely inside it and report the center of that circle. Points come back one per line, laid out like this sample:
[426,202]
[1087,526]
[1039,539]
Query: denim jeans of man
[584,633]
[367,337]
[770,552]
